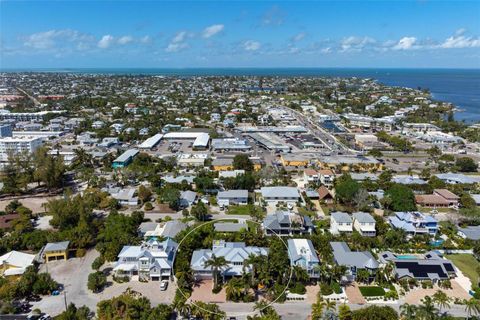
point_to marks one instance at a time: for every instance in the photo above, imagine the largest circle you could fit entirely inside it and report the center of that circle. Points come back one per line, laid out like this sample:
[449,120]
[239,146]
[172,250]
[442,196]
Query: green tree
[171,196]
[344,312]
[216,263]
[242,162]
[74,313]
[144,193]
[467,201]
[466,164]
[96,281]
[441,299]
[375,312]
[345,189]
[199,211]
[401,197]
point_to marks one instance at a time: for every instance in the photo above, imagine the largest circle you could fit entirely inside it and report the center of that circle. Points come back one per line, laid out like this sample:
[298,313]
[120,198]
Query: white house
[340,222]
[235,253]
[153,260]
[302,253]
[275,194]
[15,263]
[226,198]
[364,223]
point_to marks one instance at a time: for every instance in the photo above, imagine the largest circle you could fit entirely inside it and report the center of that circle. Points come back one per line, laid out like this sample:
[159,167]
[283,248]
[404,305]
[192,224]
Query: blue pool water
[406,256]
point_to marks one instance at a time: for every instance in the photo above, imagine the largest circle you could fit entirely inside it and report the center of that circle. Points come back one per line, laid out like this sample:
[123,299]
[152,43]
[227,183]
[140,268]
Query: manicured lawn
[245,210]
[467,264]
[372,291]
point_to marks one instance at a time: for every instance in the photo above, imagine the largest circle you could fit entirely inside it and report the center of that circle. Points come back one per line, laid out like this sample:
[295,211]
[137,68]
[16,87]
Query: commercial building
[5,130]
[230,144]
[222,164]
[27,116]
[151,142]
[125,158]
[15,145]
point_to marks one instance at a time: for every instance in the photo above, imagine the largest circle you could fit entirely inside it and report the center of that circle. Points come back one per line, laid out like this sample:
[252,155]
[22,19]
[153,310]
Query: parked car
[163,285]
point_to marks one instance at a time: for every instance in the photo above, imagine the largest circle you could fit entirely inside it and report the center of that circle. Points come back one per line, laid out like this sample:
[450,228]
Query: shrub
[96,281]
[148,206]
[326,289]
[372,291]
[80,253]
[336,288]
[98,262]
[299,288]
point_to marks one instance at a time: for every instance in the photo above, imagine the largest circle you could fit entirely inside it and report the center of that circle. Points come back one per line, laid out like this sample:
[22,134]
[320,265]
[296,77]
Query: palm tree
[330,305]
[317,309]
[427,310]
[441,299]
[82,158]
[408,311]
[234,289]
[253,261]
[216,263]
[472,307]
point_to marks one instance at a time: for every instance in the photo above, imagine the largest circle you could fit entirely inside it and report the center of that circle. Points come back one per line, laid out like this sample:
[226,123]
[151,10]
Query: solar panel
[421,270]
[449,267]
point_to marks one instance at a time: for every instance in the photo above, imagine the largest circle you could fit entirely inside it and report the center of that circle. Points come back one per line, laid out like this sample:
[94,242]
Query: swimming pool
[406,256]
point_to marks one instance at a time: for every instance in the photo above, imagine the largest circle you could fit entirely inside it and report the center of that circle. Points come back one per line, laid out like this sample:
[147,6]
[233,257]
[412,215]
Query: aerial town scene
[257,194]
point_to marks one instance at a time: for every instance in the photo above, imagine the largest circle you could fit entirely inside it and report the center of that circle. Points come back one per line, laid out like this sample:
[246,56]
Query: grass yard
[239,210]
[372,291]
[467,264]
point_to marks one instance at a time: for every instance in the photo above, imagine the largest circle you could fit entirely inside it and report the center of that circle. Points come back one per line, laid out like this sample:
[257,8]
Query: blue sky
[58,34]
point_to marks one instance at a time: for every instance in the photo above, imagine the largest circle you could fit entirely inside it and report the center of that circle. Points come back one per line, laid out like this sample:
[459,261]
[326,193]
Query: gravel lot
[73,274]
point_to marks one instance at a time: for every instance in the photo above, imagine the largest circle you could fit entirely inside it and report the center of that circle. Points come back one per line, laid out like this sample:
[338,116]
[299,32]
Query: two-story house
[353,260]
[153,260]
[340,222]
[364,223]
[327,177]
[414,223]
[235,254]
[286,223]
[302,253]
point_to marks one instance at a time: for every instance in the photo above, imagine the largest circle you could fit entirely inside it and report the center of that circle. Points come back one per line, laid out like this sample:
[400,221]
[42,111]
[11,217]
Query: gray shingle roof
[359,259]
[341,217]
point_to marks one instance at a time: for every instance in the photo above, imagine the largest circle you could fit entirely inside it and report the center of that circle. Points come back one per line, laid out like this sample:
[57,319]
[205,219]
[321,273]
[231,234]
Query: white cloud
[326,50]
[54,38]
[406,43]
[125,40]
[145,39]
[355,43]
[460,41]
[178,42]
[273,17]
[212,30]
[299,36]
[179,37]
[175,47]
[106,41]
[251,45]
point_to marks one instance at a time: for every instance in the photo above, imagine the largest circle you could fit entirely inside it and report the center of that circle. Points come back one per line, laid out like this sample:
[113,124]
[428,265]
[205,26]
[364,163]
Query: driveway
[354,295]
[73,274]
[415,296]
[202,291]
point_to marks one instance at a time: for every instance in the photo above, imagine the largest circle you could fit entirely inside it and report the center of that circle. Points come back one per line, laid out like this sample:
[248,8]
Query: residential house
[167,229]
[427,267]
[235,197]
[457,178]
[235,253]
[324,195]
[6,220]
[327,177]
[125,196]
[14,263]
[228,227]
[353,260]
[187,198]
[286,223]
[311,176]
[302,254]
[153,260]
[364,223]
[275,194]
[340,222]
[414,223]
[55,251]
[440,198]
[470,232]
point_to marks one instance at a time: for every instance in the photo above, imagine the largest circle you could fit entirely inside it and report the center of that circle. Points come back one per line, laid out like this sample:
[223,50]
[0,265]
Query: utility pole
[65,299]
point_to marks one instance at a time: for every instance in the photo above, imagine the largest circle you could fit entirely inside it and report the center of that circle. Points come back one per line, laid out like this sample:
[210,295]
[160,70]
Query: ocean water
[458,86]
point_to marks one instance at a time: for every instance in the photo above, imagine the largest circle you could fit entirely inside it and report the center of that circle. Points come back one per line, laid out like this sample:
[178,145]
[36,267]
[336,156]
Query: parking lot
[73,275]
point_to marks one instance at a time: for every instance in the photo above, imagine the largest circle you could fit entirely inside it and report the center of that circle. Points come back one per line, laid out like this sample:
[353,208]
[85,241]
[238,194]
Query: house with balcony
[364,223]
[414,223]
[340,222]
[152,260]
[353,260]
[286,223]
[311,176]
[302,254]
[235,253]
[327,177]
